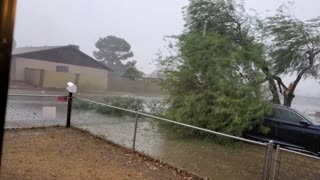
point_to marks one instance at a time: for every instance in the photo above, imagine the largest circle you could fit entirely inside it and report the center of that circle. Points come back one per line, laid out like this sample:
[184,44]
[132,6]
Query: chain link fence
[289,164]
[204,153]
[196,150]
[29,111]
[119,131]
[201,152]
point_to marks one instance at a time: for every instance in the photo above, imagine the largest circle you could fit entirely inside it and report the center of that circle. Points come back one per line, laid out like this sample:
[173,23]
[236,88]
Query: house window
[62,69]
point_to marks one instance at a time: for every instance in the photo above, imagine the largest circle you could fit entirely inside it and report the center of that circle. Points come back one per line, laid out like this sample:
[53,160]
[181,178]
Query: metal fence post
[69,110]
[267,163]
[135,132]
[276,164]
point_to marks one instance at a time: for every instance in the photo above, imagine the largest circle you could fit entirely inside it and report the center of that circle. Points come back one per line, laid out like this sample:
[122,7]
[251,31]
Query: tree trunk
[274,91]
[272,85]
[287,99]
[288,95]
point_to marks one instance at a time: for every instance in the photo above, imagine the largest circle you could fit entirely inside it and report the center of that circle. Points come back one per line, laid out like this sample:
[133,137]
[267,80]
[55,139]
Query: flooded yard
[206,157]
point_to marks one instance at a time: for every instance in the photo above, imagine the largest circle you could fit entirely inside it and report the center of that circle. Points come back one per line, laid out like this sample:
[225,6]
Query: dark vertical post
[135,132]
[7,17]
[267,161]
[276,164]
[69,110]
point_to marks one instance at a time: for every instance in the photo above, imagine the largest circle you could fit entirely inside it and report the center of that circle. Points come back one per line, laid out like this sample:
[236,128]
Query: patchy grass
[59,153]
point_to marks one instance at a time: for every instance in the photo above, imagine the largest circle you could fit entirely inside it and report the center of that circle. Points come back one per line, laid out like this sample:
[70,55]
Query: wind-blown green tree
[214,81]
[228,18]
[294,50]
[294,43]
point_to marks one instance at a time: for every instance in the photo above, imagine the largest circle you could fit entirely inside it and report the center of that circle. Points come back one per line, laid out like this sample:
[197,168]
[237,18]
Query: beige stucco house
[54,66]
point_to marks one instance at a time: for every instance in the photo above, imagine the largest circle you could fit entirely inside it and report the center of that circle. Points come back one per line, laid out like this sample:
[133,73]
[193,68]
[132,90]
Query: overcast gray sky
[143,23]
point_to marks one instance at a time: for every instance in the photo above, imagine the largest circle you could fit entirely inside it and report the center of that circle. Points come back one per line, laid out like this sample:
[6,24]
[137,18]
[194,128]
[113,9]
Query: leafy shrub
[155,107]
[130,103]
[78,104]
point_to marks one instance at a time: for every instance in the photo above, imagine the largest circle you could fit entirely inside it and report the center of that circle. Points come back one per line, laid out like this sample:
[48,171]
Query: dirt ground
[60,153]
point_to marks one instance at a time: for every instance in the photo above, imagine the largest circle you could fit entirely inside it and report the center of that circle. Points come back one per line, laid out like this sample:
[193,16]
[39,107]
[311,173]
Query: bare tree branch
[280,83]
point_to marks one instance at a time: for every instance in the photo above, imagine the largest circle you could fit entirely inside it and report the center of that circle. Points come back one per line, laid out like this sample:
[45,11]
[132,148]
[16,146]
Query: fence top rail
[37,95]
[299,153]
[175,122]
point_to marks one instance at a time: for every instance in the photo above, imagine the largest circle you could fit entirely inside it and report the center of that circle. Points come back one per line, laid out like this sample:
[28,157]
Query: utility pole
[205,28]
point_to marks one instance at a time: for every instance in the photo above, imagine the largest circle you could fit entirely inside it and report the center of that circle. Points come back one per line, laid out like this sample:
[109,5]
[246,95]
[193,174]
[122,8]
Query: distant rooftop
[31,49]
[69,54]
